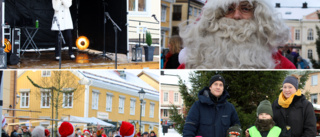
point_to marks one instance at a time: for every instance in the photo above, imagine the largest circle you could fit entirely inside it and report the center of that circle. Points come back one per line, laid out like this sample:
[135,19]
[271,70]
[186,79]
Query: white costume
[62,13]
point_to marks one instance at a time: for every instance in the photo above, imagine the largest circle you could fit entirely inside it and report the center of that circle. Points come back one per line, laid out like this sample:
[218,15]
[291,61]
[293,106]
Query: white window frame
[121,104]
[195,11]
[23,95]
[48,93]
[151,112]
[165,113]
[163,13]
[95,99]
[64,96]
[190,10]
[138,13]
[45,73]
[310,53]
[165,96]
[143,109]
[163,38]
[109,102]
[310,34]
[314,80]
[297,34]
[312,97]
[176,97]
[132,106]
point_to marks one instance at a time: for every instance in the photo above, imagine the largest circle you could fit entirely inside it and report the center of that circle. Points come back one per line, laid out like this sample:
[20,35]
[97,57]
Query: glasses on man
[244,7]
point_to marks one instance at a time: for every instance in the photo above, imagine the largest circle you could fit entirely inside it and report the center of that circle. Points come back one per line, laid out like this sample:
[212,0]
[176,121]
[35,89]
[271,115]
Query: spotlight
[82,43]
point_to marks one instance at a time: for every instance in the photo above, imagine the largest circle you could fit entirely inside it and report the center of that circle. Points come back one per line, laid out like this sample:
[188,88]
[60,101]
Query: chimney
[305,5]
[277,5]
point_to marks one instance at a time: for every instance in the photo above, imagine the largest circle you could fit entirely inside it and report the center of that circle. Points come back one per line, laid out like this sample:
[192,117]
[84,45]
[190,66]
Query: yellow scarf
[285,102]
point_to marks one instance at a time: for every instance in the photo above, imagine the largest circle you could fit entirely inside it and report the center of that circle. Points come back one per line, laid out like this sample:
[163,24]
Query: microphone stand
[116,28]
[104,32]
[60,40]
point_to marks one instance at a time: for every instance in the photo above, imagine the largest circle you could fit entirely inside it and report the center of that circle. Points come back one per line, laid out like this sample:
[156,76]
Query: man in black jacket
[14,133]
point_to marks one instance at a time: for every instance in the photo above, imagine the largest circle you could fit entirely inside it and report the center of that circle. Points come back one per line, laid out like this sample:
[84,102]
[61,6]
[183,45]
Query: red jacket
[282,62]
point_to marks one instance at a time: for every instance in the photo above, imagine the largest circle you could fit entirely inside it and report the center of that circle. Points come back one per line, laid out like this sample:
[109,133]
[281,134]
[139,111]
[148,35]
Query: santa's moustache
[227,43]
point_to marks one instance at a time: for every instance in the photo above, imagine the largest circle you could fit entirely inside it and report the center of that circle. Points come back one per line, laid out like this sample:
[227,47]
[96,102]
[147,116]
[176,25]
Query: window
[165,113]
[142,128]
[45,73]
[45,98]
[151,110]
[137,5]
[297,34]
[195,12]
[176,12]
[175,31]
[176,95]
[310,53]
[121,104]
[109,102]
[314,98]
[25,98]
[67,100]
[143,109]
[95,99]
[163,13]
[199,11]
[163,37]
[314,80]
[190,10]
[165,96]
[310,34]
[132,106]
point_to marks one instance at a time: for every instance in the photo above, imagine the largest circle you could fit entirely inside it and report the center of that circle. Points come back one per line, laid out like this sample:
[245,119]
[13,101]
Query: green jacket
[274,132]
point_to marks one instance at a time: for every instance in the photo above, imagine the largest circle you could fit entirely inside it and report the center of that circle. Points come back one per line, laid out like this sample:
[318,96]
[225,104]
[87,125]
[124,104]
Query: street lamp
[18,97]
[141,97]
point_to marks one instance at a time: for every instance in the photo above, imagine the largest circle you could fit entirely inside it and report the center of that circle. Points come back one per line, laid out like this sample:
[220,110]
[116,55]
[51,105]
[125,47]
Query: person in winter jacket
[264,125]
[39,131]
[3,127]
[25,132]
[292,112]
[235,34]
[175,45]
[62,16]
[212,114]
[152,134]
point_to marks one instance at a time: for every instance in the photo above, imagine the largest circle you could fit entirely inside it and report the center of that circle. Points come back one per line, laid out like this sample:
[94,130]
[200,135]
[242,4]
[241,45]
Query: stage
[89,59]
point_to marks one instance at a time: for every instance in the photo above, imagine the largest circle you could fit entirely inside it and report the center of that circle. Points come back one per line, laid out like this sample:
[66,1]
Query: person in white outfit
[62,16]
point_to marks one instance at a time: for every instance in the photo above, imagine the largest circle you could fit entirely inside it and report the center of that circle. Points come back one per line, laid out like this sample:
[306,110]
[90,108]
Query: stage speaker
[16,41]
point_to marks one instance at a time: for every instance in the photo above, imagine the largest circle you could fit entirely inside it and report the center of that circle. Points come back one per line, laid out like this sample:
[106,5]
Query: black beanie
[292,80]
[265,107]
[234,129]
[216,78]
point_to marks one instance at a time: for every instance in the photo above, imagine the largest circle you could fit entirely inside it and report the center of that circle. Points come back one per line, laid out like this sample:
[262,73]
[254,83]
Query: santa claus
[235,34]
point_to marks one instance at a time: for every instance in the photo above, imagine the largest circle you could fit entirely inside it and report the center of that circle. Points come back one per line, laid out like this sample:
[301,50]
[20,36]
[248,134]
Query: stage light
[8,46]
[82,43]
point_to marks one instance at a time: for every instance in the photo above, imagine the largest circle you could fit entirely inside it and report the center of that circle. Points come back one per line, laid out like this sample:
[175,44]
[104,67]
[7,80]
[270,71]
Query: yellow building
[312,86]
[166,21]
[111,96]
[181,12]
[150,78]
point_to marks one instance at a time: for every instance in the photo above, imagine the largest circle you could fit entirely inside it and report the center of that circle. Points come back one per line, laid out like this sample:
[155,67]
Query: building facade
[166,21]
[111,96]
[312,86]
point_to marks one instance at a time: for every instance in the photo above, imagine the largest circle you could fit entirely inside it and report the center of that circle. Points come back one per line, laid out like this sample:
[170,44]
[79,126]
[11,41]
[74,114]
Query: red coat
[282,62]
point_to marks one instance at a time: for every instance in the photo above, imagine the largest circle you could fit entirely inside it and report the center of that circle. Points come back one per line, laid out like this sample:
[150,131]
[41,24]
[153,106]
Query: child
[264,125]
[234,131]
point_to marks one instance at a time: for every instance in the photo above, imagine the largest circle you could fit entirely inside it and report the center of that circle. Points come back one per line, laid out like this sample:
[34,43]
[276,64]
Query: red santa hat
[3,121]
[86,131]
[126,129]
[66,129]
[46,132]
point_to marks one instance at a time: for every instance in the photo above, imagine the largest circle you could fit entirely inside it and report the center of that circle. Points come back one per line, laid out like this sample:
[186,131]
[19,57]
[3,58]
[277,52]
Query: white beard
[228,44]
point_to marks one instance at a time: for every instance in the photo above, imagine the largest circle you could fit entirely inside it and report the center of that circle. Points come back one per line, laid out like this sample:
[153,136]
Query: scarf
[285,102]
[264,124]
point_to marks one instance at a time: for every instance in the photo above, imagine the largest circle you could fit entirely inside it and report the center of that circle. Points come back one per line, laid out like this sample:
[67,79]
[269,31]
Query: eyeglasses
[244,7]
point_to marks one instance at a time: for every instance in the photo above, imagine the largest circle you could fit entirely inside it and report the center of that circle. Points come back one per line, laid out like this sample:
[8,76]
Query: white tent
[92,120]
[316,107]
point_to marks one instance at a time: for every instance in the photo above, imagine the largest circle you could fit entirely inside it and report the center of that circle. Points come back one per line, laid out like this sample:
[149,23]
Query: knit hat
[265,107]
[3,121]
[234,130]
[216,78]
[292,80]
[126,129]
[145,133]
[66,130]
[39,131]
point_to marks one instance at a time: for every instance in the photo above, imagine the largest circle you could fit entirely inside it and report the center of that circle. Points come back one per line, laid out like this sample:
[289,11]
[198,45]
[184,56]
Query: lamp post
[18,97]
[141,97]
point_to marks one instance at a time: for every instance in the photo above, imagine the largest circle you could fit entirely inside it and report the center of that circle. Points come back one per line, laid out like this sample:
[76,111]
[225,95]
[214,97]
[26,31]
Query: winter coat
[172,61]
[4,133]
[299,116]
[63,15]
[207,118]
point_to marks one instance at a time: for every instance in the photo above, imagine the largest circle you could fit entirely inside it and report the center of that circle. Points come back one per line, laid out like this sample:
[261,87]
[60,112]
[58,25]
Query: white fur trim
[182,56]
